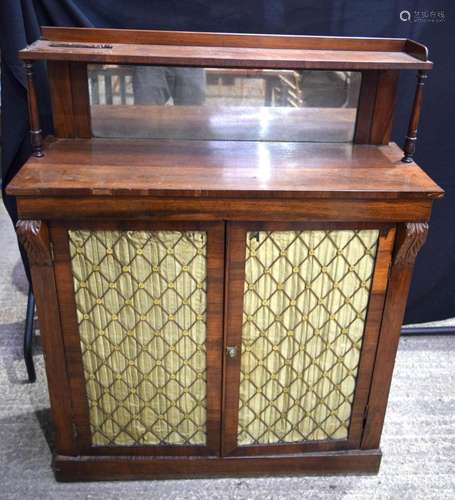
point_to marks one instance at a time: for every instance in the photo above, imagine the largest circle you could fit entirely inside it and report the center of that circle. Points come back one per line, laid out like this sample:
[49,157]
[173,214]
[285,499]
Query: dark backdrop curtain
[432,23]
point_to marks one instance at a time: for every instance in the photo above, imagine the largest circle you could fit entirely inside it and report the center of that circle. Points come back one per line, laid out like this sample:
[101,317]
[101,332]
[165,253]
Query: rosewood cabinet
[221,238]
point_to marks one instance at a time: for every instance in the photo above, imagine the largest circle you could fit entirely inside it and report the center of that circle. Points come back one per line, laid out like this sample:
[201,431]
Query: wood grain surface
[225,56]
[109,167]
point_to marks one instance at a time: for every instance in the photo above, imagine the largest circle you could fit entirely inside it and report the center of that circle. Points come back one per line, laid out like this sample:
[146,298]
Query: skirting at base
[99,468]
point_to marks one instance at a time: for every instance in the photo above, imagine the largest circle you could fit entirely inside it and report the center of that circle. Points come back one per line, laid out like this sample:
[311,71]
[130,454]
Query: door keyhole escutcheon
[232,351]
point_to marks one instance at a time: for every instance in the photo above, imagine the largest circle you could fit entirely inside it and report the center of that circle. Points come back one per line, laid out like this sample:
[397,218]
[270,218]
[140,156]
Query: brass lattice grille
[141,309]
[305,301]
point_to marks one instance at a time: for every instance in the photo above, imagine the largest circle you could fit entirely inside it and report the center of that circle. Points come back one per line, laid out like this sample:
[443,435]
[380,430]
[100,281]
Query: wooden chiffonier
[221,237]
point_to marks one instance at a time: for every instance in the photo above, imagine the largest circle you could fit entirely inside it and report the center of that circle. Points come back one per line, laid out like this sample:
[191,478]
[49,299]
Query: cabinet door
[141,310]
[304,304]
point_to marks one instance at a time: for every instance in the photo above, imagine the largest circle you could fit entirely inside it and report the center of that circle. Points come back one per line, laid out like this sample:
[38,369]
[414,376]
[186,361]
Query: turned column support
[411,138]
[35,128]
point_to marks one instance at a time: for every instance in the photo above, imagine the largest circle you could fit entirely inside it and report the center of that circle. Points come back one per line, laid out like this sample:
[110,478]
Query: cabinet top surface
[205,169]
[227,50]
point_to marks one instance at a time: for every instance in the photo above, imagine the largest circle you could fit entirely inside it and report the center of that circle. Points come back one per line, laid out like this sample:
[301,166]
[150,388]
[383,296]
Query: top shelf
[226,50]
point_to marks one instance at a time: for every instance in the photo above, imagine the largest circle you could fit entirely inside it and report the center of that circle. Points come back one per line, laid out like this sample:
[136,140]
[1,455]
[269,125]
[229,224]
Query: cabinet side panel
[382,120]
[409,239]
[81,100]
[365,109]
[34,236]
[62,99]
[376,107]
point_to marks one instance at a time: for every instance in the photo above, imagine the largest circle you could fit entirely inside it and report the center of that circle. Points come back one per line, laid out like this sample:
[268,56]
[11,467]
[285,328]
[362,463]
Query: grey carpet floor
[418,441]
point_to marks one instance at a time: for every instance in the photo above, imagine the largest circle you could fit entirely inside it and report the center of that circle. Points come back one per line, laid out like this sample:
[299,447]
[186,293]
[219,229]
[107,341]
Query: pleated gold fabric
[141,310]
[305,302]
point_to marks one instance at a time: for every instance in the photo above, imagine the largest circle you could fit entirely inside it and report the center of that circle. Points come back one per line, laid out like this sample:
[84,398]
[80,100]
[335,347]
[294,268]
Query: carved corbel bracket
[33,236]
[410,240]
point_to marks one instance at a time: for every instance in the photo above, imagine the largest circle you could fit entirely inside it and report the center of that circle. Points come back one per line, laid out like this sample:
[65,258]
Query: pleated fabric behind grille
[305,302]
[141,310]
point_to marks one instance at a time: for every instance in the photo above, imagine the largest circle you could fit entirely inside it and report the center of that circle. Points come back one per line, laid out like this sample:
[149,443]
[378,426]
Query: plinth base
[97,468]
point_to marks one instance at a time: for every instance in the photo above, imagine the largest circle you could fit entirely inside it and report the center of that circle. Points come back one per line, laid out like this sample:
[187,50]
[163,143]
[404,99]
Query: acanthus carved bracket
[33,236]
[409,241]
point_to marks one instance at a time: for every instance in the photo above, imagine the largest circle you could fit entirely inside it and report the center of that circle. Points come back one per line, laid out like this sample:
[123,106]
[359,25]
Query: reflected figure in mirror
[169,85]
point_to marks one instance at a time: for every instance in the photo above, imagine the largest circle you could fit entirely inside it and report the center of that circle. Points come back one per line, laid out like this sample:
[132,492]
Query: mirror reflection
[223,103]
